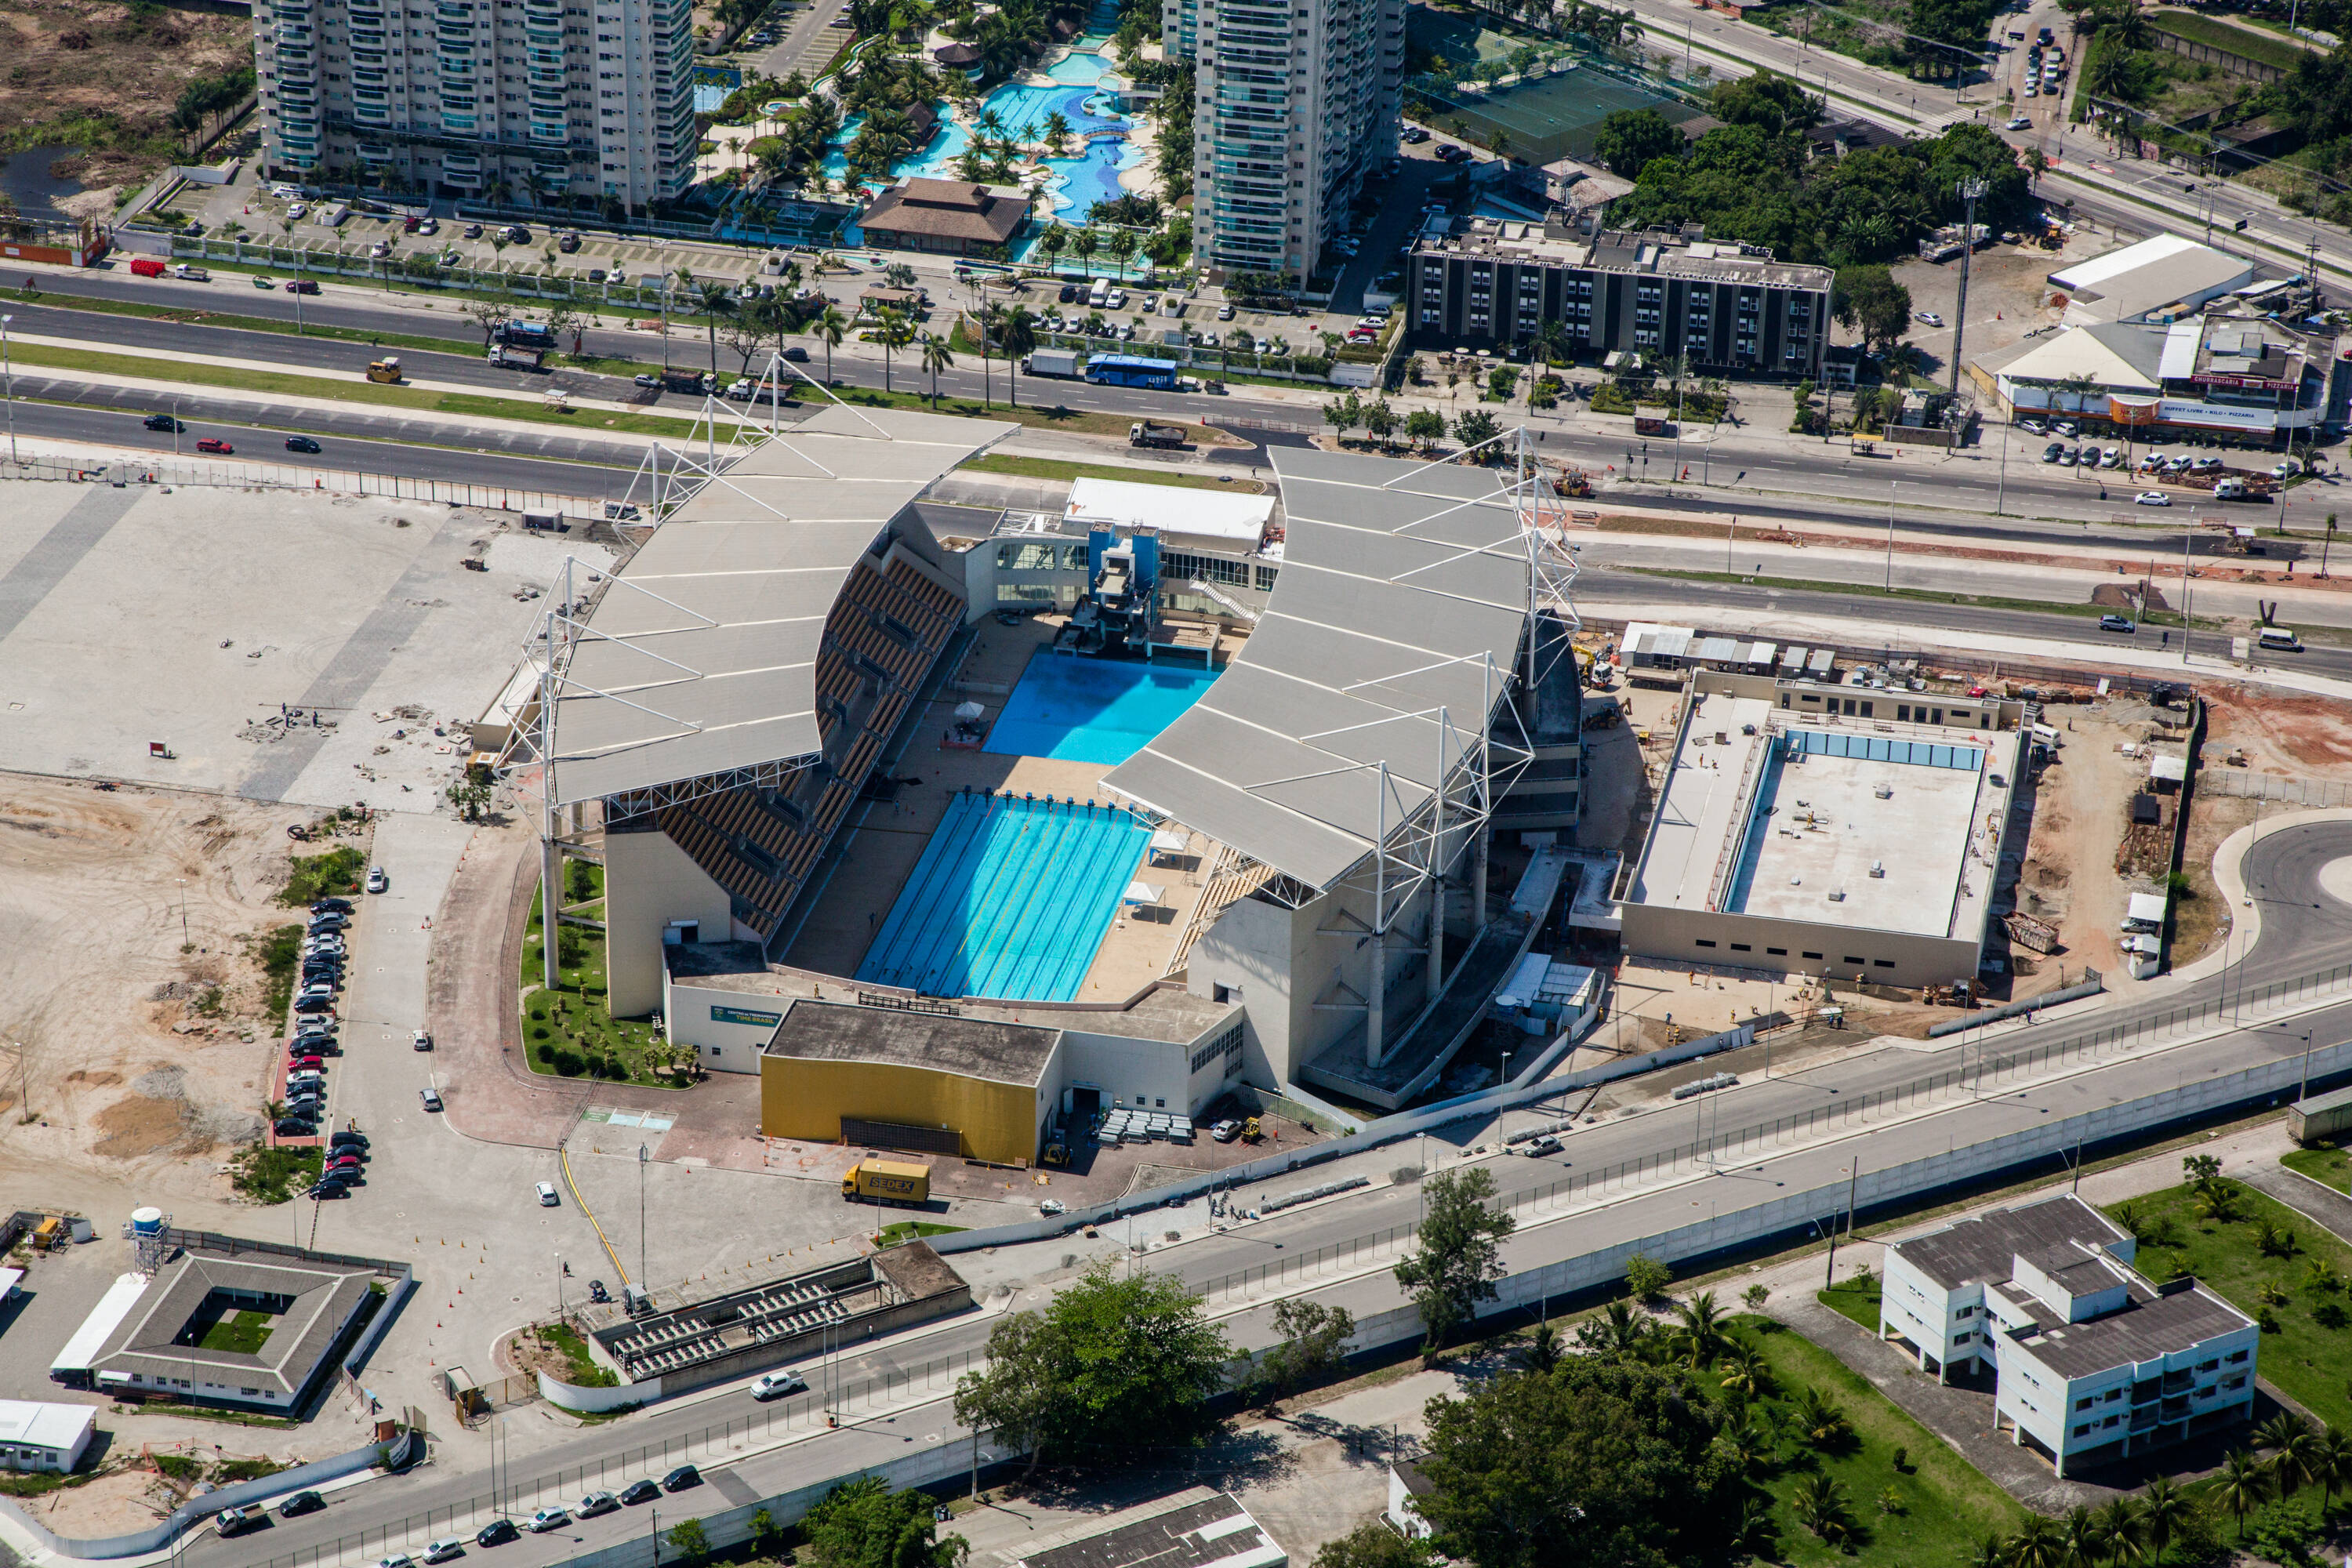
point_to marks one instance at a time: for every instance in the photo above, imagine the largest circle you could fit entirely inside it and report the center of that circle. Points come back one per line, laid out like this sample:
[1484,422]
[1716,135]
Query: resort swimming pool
[1084,710]
[1077,182]
[1011,899]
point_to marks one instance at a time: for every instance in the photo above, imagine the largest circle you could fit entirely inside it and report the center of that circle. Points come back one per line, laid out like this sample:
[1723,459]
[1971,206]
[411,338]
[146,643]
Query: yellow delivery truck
[898,1181]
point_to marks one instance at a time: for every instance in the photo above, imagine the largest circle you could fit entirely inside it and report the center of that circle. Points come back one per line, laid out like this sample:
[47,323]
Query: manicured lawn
[1055,468]
[240,1333]
[570,1032]
[1856,1298]
[1944,1507]
[2329,1166]
[2309,1362]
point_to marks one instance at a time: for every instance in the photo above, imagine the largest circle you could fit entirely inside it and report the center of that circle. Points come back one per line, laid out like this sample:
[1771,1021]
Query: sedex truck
[901,1182]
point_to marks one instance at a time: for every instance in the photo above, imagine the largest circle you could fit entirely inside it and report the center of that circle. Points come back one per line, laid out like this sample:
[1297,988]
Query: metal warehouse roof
[1399,580]
[713,666]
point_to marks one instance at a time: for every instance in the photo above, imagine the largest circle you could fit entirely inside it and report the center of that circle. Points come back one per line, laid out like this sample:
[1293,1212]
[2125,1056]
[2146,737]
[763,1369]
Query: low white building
[43,1437]
[2090,1361]
[1407,1482]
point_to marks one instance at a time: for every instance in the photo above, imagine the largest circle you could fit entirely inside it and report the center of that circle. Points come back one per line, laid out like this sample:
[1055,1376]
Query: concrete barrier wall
[596,1401]
[159,1536]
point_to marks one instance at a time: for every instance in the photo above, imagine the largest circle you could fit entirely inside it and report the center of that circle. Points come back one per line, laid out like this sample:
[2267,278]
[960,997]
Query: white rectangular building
[43,1437]
[520,103]
[2090,1361]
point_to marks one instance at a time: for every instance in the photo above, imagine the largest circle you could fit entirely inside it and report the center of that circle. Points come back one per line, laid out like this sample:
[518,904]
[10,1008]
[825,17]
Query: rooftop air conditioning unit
[1877,869]
[1838,896]
[1884,792]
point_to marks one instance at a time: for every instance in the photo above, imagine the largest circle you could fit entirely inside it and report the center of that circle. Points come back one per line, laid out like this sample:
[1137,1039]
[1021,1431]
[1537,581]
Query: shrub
[567,1061]
[1646,1278]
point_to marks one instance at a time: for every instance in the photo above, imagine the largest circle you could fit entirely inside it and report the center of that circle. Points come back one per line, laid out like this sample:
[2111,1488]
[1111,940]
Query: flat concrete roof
[973,1048]
[1690,831]
[1167,1011]
[1917,837]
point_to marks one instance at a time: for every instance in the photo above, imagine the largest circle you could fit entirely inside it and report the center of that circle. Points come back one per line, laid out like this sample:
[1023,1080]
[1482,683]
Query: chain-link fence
[2274,787]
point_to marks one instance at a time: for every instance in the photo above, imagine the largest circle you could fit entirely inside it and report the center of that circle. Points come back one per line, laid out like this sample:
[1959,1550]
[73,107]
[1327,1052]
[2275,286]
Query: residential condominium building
[1298,100]
[520,101]
[2091,1362]
[1657,293]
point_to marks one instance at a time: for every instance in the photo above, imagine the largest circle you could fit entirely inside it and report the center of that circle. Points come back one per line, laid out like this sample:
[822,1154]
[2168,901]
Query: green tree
[936,358]
[1052,242]
[828,326]
[1868,297]
[2166,1513]
[1374,1545]
[864,1524]
[689,1539]
[1646,1278]
[2122,1532]
[1700,1337]
[1475,427]
[1615,1332]
[1629,139]
[1313,1341]
[1016,334]
[763,1529]
[2242,1484]
[2085,1539]
[1424,427]
[1460,1256]
[1344,414]
[894,331]
[1770,102]
[2039,1545]
[1380,420]
[1597,1464]
[469,796]
[1110,1366]
[1820,1504]
[2331,1463]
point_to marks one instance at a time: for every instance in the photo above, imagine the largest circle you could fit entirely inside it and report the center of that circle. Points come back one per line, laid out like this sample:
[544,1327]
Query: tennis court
[1010,899]
[1552,117]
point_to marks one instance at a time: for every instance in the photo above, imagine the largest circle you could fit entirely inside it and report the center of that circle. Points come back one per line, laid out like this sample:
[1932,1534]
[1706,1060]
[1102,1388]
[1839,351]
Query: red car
[306,1064]
[215,444]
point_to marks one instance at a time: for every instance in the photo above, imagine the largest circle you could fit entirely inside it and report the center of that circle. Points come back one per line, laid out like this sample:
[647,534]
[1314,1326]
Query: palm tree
[1991,1553]
[1745,1371]
[936,358]
[2164,1511]
[2294,1451]
[1123,248]
[1819,1506]
[1085,243]
[2242,1484]
[2331,1462]
[1702,1328]
[2040,1544]
[984,321]
[2122,1530]
[1057,131]
[1818,1419]
[713,300]
[893,331]
[830,326]
[1619,1333]
[1016,336]
[2084,1538]
[1052,242]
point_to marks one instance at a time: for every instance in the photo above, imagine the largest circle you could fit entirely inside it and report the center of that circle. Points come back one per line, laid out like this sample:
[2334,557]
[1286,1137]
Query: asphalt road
[2303,930]
[356,439]
[1598,589]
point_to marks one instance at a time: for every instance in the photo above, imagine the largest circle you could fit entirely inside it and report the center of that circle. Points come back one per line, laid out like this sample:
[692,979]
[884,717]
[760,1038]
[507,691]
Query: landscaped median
[286,384]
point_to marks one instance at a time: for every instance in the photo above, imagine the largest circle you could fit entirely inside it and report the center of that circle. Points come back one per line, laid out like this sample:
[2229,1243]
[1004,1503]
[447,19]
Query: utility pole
[643,1156]
[1890,535]
[1971,189]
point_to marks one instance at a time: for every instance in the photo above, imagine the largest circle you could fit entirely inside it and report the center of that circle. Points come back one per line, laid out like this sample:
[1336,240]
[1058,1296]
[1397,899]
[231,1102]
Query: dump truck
[513,356]
[1150,432]
[899,1182]
[386,369]
[143,268]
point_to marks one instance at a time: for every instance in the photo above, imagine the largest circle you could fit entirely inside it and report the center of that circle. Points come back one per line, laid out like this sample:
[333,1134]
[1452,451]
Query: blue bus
[1126,370]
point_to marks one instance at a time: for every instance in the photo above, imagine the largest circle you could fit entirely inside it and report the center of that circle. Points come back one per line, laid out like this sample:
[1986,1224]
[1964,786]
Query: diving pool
[1084,710]
[1011,900]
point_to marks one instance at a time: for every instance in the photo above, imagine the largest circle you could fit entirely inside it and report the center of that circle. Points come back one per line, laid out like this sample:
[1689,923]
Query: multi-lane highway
[2304,929]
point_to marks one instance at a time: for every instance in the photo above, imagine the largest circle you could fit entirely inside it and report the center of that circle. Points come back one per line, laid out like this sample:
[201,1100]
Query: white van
[1100,296]
[2279,640]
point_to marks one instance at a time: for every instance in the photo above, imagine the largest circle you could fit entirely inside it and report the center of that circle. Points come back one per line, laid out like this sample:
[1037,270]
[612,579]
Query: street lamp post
[1971,189]
[643,1156]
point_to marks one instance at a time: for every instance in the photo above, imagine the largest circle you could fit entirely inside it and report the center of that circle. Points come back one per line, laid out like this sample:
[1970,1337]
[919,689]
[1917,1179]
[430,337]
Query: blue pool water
[1011,899]
[1091,176]
[1093,710]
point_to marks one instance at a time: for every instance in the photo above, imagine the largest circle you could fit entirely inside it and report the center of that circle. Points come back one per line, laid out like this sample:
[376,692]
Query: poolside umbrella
[968,711]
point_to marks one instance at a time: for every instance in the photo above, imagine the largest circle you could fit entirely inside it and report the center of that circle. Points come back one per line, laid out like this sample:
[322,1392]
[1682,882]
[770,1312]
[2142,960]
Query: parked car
[678,1479]
[428,226]
[377,881]
[445,1549]
[546,1190]
[349,1138]
[595,1503]
[1928,318]
[379,250]
[216,445]
[301,444]
[2151,497]
[432,1098]
[776,1384]
[568,243]
[471,231]
[497,1532]
[2054,452]
[640,1492]
[300,1504]
[419,1040]
[547,1519]
[2064,427]
[331,906]
[294,1127]
[396,1559]
[325,1190]
[1225,313]
[297,209]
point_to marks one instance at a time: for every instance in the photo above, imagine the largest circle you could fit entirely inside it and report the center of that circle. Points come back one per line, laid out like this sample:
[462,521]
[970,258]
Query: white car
[2283,470]
[377,881]
[2019,123]
[2112,457]
[379,250]
[1225,313]
[420,1040]
[286,192]
[297,209]
[545,1520]
[1929,318]
[397,1560]
[776,1384]
[447,1549]
[1051,1207]
[546,1190]
[2151,497]
[2064,427]
[2150,462]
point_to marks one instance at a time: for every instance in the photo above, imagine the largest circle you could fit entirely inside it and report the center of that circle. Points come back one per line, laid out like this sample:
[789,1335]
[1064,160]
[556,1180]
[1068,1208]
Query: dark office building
[1729,307]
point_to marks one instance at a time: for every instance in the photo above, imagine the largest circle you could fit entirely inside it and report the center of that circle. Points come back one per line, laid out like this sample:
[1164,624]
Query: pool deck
[889,836]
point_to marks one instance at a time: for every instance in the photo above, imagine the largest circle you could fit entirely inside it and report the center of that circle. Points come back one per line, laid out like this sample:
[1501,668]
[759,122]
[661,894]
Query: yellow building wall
[807,1100]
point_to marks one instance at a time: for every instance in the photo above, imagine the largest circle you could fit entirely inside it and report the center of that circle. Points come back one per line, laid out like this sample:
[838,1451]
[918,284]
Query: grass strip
[2330,1167]
[1917,596]
[2230,40]
[1855,1299]
[1083,421]
[284,384]
[1055,469]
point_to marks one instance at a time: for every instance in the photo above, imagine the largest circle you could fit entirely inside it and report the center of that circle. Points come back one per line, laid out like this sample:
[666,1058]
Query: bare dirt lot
[126,920]
[104,77]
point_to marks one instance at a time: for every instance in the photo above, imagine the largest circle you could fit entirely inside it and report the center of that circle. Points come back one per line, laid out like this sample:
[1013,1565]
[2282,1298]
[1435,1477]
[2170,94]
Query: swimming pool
[1086,709]
[1011,899]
